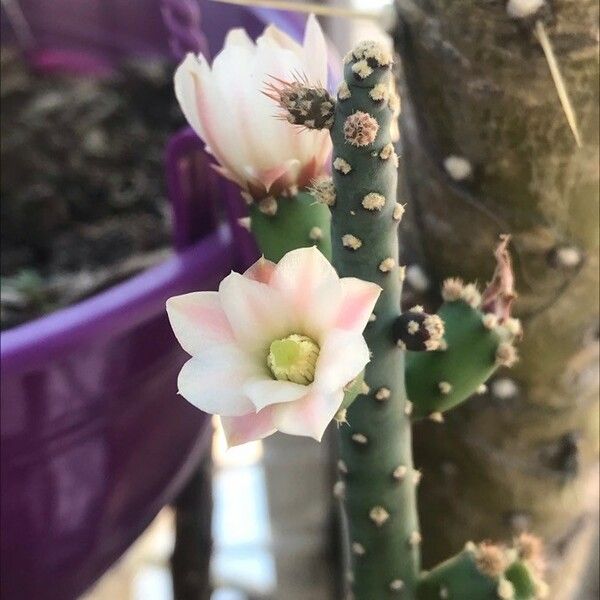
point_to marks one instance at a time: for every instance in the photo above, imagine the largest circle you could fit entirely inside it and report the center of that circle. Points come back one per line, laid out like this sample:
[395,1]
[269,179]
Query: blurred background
[114,488]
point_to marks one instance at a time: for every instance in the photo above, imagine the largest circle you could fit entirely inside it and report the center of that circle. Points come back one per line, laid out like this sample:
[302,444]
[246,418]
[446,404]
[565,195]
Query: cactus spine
[376,446]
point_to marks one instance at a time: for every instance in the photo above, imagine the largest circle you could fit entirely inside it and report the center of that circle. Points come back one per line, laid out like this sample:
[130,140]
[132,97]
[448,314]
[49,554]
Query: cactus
[379,477]
[478,338]
[288,223]
[378,480]
[472,351]
[488,571]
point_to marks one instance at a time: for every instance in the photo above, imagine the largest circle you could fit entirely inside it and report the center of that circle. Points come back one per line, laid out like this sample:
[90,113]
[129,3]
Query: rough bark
[475,84]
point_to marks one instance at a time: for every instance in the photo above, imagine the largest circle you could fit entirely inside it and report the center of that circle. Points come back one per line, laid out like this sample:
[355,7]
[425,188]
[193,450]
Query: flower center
[293,358]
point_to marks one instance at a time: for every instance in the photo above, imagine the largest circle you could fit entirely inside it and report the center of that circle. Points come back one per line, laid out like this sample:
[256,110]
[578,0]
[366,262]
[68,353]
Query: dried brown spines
[500,294]
[360,129]
[323,190]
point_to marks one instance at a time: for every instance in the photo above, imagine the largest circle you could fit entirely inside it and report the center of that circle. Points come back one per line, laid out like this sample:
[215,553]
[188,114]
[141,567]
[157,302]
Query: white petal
[277,140]
[309,416]
[213,381]
[232,70]
[238,37]
[277,39]
[185,91]
[265,392]
[226,108]
[197,320]
[262,270]
[312,287]
[267,177]
[315,52]
[204,108]
[358,300]
[247,428]
[258,313]
[343,356]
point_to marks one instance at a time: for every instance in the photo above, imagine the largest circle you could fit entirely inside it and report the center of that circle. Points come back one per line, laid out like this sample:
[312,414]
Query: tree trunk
[476,86]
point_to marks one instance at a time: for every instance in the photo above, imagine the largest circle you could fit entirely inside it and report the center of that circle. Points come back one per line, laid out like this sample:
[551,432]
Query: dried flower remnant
[360,129]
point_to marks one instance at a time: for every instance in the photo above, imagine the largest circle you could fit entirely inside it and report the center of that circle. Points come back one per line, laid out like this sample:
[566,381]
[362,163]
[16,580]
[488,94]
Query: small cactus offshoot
[478,339]
[487,571]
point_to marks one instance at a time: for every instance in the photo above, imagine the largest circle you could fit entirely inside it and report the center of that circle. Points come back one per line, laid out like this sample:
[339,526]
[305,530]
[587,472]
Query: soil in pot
[82,193]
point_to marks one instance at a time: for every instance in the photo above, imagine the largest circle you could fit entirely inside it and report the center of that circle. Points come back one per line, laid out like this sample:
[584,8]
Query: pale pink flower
[227,108]
[273,349]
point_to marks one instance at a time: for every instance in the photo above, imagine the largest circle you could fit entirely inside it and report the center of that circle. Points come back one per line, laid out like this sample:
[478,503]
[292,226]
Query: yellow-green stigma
[293,358]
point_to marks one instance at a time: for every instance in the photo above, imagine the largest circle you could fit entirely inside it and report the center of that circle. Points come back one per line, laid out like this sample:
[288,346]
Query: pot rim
[121,307]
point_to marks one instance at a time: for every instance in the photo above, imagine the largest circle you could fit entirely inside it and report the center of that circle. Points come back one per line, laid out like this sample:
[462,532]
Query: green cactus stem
[478,338]
[284,224]
[470,353]
[459,577]
[488,572]
[378,481]
[376,457]
[521,577]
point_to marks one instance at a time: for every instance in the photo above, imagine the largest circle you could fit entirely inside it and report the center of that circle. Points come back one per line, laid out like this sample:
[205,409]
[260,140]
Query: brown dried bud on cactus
[360,129]
[418,331]
[303,104]
[500,292]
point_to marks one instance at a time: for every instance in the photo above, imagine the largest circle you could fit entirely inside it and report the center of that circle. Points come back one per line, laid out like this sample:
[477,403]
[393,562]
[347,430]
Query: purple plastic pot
[94,438]
[94,36]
